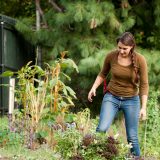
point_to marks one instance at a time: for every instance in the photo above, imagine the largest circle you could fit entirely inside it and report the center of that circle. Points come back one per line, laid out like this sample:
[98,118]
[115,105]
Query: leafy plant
[37,89]
[149,133]
[8,138]
[68,143]
[104,147]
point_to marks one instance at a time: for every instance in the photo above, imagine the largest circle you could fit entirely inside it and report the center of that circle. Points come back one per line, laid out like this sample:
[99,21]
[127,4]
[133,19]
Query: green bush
[149,131]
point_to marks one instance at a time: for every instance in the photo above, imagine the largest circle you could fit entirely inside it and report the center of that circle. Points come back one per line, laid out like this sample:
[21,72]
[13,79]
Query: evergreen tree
[87,29]
[17,8]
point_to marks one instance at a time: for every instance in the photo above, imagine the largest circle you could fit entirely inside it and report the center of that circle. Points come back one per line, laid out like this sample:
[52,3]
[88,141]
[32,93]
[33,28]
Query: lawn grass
[22,153]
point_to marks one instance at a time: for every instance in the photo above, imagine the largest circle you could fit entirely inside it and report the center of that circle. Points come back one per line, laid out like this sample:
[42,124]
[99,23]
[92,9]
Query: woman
[128,85]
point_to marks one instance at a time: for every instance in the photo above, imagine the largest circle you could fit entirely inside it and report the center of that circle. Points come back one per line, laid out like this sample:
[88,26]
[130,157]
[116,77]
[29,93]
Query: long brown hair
[128,39]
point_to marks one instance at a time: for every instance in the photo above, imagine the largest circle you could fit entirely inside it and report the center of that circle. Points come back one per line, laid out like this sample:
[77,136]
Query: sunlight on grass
[3,123]
[20,153]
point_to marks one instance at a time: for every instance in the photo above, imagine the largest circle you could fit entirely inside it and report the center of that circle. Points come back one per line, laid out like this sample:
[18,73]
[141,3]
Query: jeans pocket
[108,97]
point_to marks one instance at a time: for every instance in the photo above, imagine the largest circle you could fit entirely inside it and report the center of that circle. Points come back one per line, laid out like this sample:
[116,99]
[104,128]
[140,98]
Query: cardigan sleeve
[106,65]
[144,87]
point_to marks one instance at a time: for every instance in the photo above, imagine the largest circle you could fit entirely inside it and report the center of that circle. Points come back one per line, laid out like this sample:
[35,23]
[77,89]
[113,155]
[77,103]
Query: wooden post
[11,95]
[11,102]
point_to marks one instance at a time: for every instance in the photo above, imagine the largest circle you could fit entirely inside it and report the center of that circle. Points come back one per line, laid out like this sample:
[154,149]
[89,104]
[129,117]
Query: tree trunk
[38,26]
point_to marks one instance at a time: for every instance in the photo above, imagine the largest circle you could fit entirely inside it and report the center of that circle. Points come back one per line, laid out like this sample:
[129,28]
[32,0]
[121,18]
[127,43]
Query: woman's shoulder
[112,54]
[140,57]
[141,60]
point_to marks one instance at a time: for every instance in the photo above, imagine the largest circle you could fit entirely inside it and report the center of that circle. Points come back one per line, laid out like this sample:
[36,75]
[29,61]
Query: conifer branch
[41,12]
[55,6]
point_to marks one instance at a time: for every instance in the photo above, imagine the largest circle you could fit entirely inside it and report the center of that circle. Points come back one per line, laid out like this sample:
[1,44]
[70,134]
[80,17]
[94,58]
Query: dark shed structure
[15,52]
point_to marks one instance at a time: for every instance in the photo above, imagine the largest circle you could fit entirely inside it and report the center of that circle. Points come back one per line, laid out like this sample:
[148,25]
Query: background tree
[88,29]
[17,8]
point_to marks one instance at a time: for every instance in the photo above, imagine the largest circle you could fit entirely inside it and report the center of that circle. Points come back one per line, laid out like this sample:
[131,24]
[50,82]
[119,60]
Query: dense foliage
[88,29]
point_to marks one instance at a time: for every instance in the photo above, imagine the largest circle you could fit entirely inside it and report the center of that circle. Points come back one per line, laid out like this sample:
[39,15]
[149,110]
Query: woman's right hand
[91,93]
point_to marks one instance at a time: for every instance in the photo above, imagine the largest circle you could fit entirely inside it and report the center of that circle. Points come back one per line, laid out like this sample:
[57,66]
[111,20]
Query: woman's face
[124,50]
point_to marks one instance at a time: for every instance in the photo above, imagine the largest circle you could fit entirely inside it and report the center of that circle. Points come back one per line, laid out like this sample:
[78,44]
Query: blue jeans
[130,106]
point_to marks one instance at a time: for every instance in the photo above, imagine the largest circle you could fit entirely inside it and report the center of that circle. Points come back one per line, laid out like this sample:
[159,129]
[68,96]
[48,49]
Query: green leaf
[66,76]
[65,91]
[7,74]
[71,92]
[70,101]
[63,104]
[78,17]
[70,118]
[5,85]
[71,63]
[53,82]
[43,134]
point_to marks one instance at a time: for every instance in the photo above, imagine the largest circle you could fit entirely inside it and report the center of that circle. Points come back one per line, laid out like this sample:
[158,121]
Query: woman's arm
[96,84]
[144,101]
[143,112]
[102,75]
[144,87]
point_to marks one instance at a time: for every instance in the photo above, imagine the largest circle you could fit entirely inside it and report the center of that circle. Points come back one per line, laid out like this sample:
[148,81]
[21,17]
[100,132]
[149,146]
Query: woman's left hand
[143,114]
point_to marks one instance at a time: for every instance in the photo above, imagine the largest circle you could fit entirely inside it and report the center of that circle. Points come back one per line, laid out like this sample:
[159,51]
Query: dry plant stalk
[84,122]
[37,101]
[56,89]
